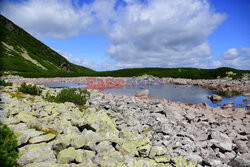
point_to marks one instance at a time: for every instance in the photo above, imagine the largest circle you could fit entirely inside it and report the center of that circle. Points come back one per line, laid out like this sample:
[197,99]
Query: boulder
[105,147]
[66,156]
[24,135]
[142,94]
[221,141]
[241,161]
[87,139]
[157,150]
[35,153]
[84,156]
[215,98]
[248,107]
[43,138]
[26,117]
[241,146]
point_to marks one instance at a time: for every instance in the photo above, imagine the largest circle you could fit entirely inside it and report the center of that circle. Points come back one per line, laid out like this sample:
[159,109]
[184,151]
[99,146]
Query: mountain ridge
[21,52]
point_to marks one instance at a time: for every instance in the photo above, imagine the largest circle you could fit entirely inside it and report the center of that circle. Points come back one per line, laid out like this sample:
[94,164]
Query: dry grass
[45,130]
[17,94]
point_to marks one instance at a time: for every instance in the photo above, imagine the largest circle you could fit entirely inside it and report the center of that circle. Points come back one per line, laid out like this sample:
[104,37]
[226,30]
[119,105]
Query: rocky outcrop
[65,67]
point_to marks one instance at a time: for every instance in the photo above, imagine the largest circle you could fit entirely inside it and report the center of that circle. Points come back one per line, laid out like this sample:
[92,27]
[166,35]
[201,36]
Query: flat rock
[35,153]
[66,156]
[23,136]
[26,117]
[43,138]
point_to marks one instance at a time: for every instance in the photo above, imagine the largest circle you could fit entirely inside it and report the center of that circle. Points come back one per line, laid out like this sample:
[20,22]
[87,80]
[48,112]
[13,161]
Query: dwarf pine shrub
[30,89]
[74,95]
[8,147]
[3,83]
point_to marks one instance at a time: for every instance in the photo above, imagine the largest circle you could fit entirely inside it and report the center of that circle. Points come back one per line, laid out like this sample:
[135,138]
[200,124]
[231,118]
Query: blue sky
[114,34]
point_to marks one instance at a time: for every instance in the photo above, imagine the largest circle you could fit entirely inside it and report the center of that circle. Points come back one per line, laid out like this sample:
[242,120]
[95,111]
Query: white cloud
[216,63]
[231,54]
[52,18]
[162,33]
[237,58]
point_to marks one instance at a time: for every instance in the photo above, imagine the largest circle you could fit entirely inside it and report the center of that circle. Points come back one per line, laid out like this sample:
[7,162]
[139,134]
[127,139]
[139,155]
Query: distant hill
[21,52]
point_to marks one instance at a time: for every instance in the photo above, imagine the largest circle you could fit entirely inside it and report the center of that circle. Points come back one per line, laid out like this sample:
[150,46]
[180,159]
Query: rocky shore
[125,131]
[222,85]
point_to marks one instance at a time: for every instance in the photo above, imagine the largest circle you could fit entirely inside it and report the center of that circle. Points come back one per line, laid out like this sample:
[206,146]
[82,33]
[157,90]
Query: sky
[115,34]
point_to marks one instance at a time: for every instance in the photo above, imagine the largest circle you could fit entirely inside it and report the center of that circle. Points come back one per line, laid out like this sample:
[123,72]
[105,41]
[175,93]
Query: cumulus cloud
[56,18]
[237,58]
[164,33]
[160,33]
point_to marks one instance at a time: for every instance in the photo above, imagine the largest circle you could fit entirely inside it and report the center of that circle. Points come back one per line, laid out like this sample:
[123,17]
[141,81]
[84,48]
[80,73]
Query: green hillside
[21,52]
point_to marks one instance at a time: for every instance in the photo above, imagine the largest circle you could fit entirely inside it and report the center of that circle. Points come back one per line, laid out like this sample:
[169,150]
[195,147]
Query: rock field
[124,131]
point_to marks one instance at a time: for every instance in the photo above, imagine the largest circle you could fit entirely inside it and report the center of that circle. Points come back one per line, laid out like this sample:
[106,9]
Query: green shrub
[74,95]
[3,83]
[8,147]
[30,89]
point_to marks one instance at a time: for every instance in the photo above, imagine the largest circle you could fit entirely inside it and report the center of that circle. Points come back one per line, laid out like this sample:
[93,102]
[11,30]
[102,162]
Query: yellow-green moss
[145,130]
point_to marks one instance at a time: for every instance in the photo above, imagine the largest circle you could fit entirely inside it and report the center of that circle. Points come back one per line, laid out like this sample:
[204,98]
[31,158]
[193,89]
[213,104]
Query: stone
[11,121]
[87,139]
[26,117]
[112,159]
[248,108]
[40,164]
[142,94]
[144,150]
[84,156]
[221,141]
[80,157]
[212,161]
[23,136]
[224,146]
[35,153]
[157,150]
[240,161]
[241,146]
[131,141]
[194,158]
[43,138]
[99,120]
[215,98]
[66,156]
[104,147]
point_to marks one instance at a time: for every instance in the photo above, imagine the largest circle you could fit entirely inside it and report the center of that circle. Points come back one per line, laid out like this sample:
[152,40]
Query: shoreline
[219,85]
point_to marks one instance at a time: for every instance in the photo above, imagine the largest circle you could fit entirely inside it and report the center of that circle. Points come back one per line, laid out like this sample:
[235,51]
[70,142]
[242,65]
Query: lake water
[62,85]
[181,93]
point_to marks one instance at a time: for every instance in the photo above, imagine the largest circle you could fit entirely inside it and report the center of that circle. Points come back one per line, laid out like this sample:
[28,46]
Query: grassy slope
[15,36]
